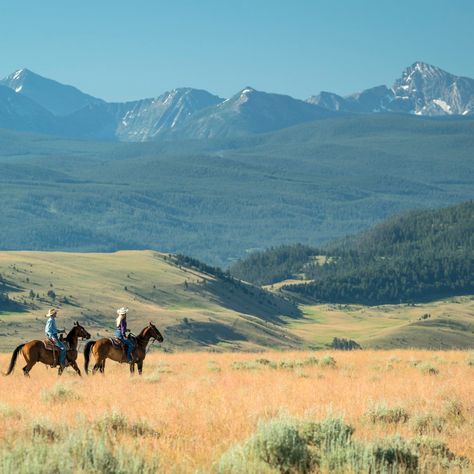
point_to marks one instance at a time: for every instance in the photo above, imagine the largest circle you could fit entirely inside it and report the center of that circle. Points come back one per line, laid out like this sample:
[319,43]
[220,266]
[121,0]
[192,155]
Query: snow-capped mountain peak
[55,97]
[422,89]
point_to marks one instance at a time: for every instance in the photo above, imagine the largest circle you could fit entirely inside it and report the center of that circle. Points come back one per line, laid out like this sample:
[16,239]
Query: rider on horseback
[51,331]
[121,332]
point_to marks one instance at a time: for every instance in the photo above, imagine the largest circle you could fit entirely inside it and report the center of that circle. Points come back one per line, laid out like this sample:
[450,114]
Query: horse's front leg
[132,368]
[74,365]
[140,367]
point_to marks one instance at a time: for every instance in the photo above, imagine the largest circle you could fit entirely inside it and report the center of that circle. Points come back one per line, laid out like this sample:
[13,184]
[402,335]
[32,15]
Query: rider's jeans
[62,351]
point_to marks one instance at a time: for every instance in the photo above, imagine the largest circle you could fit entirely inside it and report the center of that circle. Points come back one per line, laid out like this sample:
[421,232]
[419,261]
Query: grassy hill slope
[443,324]
[197,310]
[193,309]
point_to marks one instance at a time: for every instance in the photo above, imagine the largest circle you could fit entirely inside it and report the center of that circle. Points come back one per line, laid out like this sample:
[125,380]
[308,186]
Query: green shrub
[213,367]
[246,365]
[153,378]
[44,429]
[435,456]
[115,422]
[311,360]
[8,412]
[279,444]
[289,364]
[428,368]
[327,434]
[286,445]
[393,454]
[80,452]
[381,413]
[327,361]
[425,423]
[453,411]
[276,444]
[59,393]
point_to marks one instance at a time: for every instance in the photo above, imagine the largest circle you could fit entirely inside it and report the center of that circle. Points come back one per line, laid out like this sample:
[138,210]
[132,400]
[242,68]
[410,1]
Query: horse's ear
[75,324]
[150,323]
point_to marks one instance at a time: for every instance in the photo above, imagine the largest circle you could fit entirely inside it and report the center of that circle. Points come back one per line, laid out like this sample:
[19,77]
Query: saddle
[117,343]
[50,346]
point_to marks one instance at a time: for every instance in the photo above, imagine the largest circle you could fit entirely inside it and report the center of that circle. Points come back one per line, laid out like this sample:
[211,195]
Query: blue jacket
[51,330]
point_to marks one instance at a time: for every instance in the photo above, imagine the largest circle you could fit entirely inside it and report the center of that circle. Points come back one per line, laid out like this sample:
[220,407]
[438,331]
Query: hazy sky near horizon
[121,50]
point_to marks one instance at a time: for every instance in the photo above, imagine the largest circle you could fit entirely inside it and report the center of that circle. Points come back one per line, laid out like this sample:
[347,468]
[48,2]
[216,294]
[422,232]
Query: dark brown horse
[35,351]
[104,349]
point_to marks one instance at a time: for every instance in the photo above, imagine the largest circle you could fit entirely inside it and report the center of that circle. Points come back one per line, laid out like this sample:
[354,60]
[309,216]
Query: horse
[35,351]
[105,349]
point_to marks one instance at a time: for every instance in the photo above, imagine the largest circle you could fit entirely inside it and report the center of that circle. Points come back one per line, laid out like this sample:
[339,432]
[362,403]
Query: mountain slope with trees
[420,255]
[217,199]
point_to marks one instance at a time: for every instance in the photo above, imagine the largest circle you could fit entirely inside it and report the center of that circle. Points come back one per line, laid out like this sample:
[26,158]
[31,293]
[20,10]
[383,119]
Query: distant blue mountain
[31,102]
[422,90]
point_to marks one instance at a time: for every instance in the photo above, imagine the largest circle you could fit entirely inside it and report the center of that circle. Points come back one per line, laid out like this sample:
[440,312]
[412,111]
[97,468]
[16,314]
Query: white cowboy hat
[51,312]
[122,311]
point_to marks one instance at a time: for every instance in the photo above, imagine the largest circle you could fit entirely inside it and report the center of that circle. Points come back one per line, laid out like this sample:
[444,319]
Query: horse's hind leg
[96,367]
[26,370]
[140,367]
[75,367]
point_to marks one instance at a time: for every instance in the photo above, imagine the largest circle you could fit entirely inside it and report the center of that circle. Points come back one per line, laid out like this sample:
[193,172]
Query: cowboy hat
[122,311]
[51,312]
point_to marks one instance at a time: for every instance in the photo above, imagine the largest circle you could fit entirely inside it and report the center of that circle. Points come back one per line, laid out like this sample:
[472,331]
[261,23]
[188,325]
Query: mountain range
[30,102]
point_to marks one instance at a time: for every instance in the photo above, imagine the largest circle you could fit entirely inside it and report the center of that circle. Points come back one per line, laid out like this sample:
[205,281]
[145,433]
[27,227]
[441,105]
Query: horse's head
[81,331]
[154,333]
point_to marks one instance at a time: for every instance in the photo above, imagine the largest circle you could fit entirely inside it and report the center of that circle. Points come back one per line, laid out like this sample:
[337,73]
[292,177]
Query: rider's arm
[123,327]
[50,328]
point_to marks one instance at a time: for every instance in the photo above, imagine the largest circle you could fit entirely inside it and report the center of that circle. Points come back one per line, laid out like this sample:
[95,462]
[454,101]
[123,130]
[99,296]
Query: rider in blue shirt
[51,331]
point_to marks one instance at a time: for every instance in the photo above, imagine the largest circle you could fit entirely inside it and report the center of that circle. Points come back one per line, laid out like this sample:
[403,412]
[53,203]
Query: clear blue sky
[121,50]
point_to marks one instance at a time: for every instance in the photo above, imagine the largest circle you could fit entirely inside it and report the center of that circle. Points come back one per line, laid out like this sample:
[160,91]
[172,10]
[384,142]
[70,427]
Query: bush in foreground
[287,445]
[80,452]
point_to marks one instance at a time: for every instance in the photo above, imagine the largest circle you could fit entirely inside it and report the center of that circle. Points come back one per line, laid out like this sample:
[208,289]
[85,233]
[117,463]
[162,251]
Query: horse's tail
[87,355]
[14,358]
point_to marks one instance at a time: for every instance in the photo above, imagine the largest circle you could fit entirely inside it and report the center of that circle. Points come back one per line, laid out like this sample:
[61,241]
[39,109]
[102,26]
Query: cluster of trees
[420,255]
[190,262]
[342,344]
[272,265]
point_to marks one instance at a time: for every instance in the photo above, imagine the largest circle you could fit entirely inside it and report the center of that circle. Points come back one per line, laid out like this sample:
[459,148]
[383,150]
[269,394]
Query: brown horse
[104,349]
[34,351]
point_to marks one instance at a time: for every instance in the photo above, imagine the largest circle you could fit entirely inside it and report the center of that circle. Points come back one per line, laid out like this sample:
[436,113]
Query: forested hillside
[217,199]
[420,255]
[273,265]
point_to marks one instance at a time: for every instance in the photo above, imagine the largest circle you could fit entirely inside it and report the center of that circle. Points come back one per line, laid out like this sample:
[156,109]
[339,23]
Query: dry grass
[202,405]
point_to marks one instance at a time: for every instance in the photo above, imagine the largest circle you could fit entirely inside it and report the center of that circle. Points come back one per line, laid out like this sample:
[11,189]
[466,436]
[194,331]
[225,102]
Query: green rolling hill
[199,308]
[194,309]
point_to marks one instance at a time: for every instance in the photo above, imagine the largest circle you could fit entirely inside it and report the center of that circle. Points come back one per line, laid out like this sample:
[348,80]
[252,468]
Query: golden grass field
[201,404]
